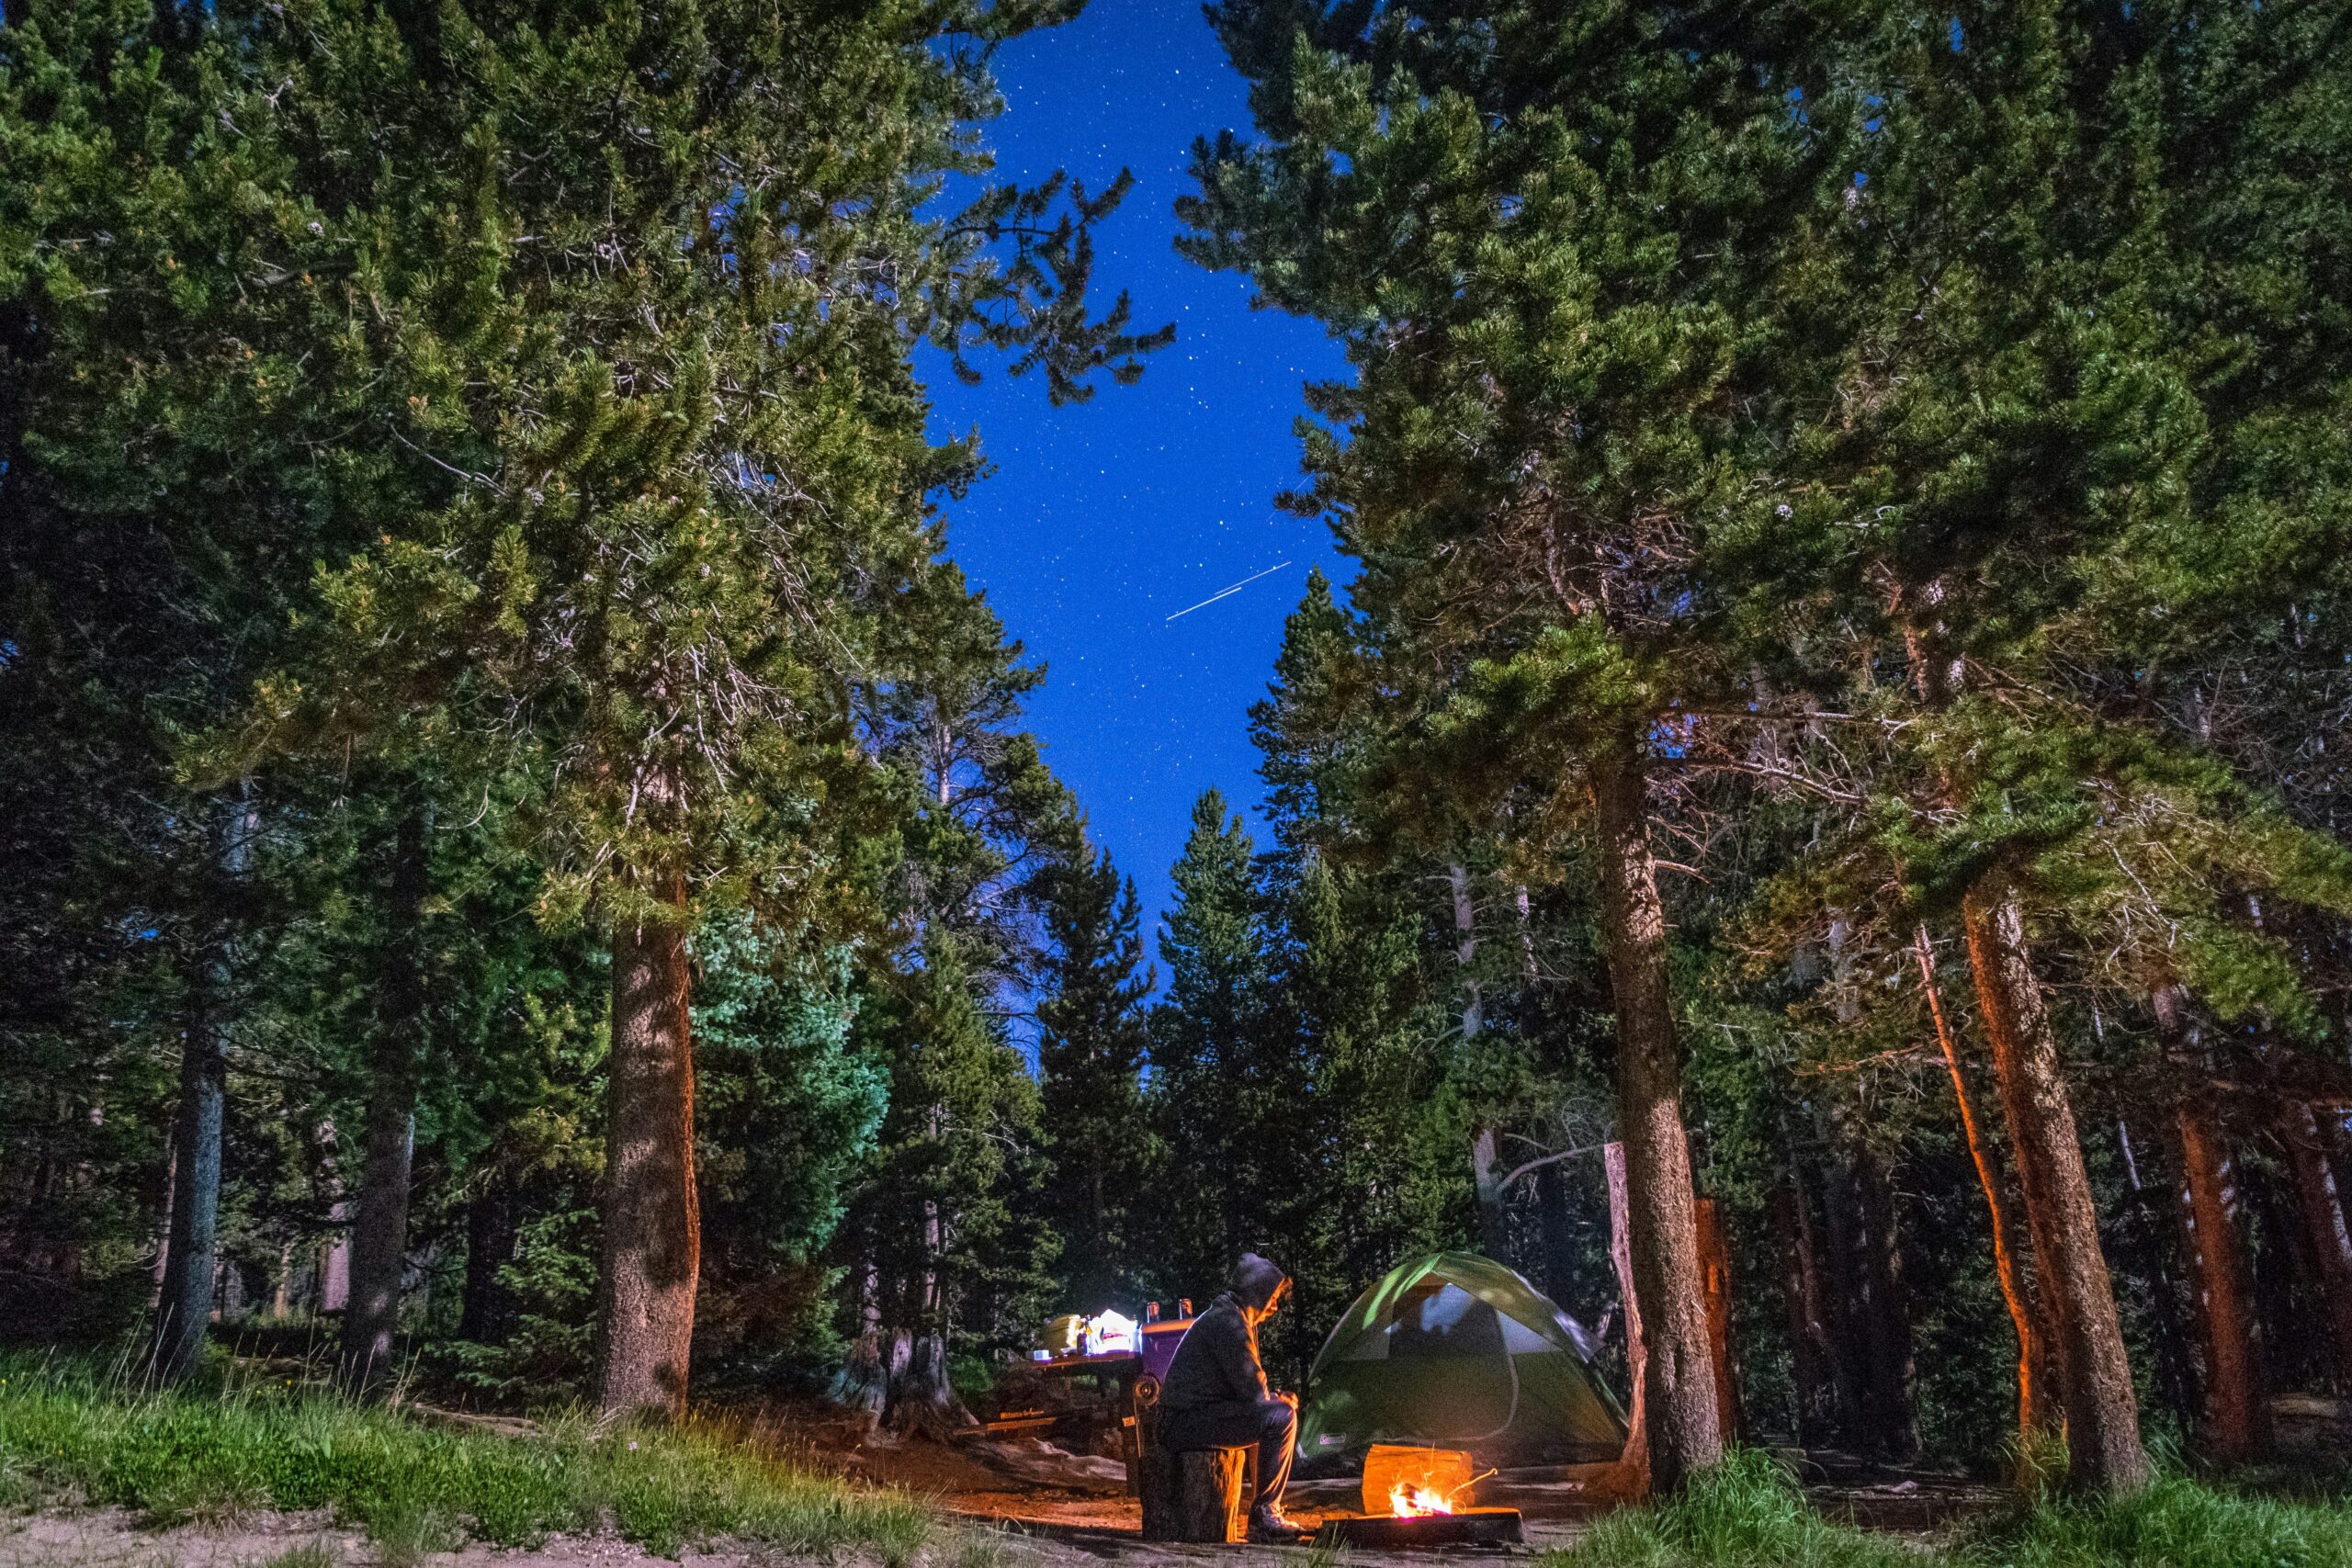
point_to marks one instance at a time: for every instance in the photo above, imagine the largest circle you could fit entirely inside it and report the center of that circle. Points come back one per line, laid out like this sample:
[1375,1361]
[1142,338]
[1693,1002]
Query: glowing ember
[1417,1502]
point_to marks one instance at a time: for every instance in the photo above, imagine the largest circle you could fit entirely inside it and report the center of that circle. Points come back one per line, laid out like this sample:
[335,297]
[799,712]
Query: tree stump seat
[1200,1495]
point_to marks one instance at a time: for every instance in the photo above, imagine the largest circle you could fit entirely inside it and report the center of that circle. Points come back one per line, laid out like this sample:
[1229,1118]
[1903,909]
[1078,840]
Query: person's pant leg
[1277,1439]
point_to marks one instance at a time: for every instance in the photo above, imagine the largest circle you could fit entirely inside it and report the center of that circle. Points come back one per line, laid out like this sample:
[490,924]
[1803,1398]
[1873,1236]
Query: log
[1202,1496]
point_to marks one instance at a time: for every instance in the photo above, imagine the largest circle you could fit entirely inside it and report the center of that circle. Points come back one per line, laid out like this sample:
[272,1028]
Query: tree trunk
[652,1224]
[484,1308]
[2175,1379]
[919,1400]
[1679,1384]
[2102,1414]
[2236,1426]
[379,1229]
[184,1308]
[2326,1238]
[1894,1411]
[1636,1457]
[2032,1409]
[1485,1176]
[1715,1273]
[1811,1386]
[1845,1305]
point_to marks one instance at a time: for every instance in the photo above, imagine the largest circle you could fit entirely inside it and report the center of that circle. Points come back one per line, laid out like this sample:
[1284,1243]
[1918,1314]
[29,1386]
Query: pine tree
[1206,1037]
[1545,234]
[1092,1040]
[671,458]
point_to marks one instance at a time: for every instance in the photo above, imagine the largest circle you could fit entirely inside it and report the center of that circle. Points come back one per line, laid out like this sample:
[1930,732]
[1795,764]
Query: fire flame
[1417,1501]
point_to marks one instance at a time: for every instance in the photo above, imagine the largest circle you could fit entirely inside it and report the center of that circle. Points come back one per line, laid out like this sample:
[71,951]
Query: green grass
[2176,1523]
[1747,1514]
[414,1488]
[1750,1513]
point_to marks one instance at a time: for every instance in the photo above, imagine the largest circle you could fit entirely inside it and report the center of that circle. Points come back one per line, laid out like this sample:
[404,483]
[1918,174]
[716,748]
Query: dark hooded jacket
[1217,1363]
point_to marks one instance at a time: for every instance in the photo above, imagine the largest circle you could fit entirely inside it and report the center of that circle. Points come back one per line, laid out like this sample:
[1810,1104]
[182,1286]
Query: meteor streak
[1235,588]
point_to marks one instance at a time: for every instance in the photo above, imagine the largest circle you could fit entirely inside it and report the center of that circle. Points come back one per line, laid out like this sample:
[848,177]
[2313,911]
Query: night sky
[1103,519]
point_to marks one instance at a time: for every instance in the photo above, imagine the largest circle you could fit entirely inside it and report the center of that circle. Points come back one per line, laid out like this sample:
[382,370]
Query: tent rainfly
[1456,1351]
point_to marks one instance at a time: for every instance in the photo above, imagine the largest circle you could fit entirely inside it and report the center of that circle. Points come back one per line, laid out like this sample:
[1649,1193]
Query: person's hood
[1255,1280]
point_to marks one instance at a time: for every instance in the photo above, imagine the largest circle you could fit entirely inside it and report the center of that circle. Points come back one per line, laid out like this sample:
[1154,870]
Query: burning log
[1464,1527]
[1402,1480]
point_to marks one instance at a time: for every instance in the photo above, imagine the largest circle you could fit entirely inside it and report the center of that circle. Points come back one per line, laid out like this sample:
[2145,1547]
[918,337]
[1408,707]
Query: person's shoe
[1268,1528]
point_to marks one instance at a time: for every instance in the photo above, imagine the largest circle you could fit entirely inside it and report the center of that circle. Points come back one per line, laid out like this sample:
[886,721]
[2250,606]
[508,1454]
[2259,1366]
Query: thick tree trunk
[379,1229]
[191,1255]
[2034,1409]
[919,1400]
[2326,1237]
[2102,1414]
[1679,1384]
[652,1224]
[2237,1425]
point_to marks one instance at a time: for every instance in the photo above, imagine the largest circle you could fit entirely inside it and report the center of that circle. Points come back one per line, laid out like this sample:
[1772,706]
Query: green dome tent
[1456,1351]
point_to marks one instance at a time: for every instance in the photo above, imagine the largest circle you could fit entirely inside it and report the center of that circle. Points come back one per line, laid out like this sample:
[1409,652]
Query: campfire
[1417,1502]
[1426,1494]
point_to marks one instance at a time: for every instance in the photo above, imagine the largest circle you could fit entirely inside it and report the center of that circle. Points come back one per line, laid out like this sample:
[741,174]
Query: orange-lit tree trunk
[2236,1428]
[1678,1385]
[2032,1409]
[1715,1273]
[2328,1238]
[2102,1412]
[653,1225]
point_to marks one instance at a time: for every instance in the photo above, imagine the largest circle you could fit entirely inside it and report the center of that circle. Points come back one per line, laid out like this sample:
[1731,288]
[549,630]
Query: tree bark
[2237,1425]
[2102,1414]
[379,1228]
[191,1256]
[1636,1457]
[1679,1384]
[652,1224]
[2032,1406]
[2327,1239]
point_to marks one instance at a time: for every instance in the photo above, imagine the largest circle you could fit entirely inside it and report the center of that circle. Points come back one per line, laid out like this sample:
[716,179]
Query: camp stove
[1463,1526]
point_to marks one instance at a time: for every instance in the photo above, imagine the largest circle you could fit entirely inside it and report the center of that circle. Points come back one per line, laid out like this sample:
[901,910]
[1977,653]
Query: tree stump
[1201,1497]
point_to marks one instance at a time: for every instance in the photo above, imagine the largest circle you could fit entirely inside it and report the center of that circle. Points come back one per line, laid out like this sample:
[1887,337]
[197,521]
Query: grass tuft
[1745,1514]
[2174,1523]
[316,1554]
[415,1489]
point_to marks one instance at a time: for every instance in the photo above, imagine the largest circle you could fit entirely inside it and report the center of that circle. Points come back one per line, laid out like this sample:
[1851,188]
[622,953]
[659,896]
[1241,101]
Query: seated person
[1215,1395]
